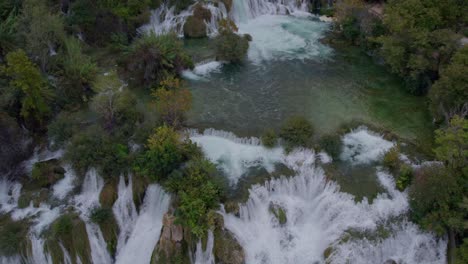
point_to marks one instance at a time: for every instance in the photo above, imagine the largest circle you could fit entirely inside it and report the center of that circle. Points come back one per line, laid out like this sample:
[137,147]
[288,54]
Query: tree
[452,148]
[449,94]
[163,154]
[114,104]
[172,102]
[297,132]
[421,37]
[229,45]
[78,71]
[29,86]
[152,58]
[42,30]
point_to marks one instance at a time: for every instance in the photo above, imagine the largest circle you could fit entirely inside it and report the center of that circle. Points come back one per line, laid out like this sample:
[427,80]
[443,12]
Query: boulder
[226,249]
[202,13]
[390,261]
[194,27]
[171,247]
[47,173]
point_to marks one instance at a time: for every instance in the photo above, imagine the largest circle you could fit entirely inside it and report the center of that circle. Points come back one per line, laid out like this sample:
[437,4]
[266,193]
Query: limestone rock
[194,27]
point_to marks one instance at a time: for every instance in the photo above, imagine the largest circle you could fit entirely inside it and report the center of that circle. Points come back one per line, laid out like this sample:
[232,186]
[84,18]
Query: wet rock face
[171,247]
[195,26]
[226,248]
[390,261]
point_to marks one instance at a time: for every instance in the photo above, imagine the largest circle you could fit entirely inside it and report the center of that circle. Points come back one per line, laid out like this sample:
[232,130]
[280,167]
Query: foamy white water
[318,214]
[63,187]
[203,70]
[41,155]
[204,256]
[362,146]
[9,195]
[235,156]
[84,203]
[124,211]
[140,245]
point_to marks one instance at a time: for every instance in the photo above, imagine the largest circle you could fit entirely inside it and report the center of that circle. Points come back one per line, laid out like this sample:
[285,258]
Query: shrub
[46,173]
[405,177]
[162,156]
[229,45]
[269,138]
[13,236]
[100,215]
[392,160]
[62,128]
[198,192]
[297,132]
[331,144]
[63,225]
[172,102]
[151,58]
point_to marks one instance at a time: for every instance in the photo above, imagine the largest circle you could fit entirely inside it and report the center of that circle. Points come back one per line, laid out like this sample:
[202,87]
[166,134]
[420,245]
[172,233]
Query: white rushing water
[233,155]
[280,29]
[124,211]
[147,229]
[362,146]
[318,214]
[204,256]
[63,187]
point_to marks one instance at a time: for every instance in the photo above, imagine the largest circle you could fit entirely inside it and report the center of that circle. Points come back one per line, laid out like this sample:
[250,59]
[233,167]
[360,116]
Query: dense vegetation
[70,73]
[420,40]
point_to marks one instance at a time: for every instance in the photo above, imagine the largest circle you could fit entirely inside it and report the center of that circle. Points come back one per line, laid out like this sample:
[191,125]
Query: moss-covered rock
[172,247]
[232,208]
[69,230]
[139,190]
[109,228]
[194,27]
[227,4]
[108,194]
[226,249]
[13,236]
[279,213]
[202,13]
[36,197]
[47,173]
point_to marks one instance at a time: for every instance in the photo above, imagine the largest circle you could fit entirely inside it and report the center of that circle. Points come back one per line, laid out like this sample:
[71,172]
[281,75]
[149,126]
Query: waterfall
[124,211]
[66,255]
[147,229]
[204,256]
[9,195]
[235,156]
[84,203]
[63,187]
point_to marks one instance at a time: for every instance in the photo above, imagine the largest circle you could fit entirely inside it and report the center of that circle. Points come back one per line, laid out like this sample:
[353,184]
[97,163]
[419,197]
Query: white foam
[140,245]
[204,256]
[406,244]
[125,211]
[9,195]
[63,187]
[362,146]
[317,213]
[235,156]
[203,70]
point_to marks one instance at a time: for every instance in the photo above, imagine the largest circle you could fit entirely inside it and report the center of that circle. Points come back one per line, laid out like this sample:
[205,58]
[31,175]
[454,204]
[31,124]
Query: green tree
[28,84]
[152,58]
[41,30]
[449,94]
[163,154]
[229,45]
[198,192]
[78,71]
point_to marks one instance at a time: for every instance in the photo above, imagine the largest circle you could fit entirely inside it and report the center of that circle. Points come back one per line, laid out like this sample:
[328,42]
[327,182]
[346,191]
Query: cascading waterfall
[318,216]
[147,229]
[124,211]
[204,256]
[85,202]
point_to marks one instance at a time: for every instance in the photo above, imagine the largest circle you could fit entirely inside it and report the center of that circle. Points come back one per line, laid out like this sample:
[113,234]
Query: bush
[405,177]
[63,225]
[13,236]
[392,160]
[162,156]
[297,132]
[269,138]
[229,45]
[47,173]
[100,215]
[93,148]
[152,58]
[331,144]
[62,128]
[199,191]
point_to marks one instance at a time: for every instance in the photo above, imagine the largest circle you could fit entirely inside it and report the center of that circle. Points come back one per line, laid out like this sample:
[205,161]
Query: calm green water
[347,86]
